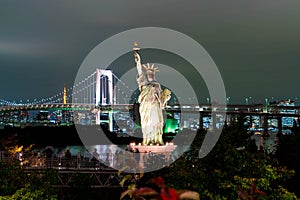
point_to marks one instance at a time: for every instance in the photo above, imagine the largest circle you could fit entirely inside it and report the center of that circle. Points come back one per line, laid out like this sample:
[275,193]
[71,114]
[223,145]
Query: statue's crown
[151,68]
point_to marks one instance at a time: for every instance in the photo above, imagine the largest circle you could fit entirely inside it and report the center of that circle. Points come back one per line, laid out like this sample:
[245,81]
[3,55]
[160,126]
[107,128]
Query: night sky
[255,44]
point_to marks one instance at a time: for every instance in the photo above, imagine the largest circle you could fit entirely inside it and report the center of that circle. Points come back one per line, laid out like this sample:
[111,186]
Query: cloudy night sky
[255,44]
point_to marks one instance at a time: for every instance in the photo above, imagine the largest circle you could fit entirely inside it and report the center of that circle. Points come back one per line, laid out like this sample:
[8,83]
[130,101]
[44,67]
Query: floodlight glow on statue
[152,100]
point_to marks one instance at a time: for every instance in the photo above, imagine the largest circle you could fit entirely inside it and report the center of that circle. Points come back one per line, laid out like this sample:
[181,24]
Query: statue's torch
[136,48]
[136,55]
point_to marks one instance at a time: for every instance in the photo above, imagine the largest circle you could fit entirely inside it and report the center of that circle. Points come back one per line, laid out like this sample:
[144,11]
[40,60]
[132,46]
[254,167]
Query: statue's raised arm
[137,59]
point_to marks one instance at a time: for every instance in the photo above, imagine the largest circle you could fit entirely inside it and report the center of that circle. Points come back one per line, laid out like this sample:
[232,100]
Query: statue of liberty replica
[152,101]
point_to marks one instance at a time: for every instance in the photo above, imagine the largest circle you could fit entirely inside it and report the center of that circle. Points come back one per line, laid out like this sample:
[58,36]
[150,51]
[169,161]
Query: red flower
[168,194]
[159,181]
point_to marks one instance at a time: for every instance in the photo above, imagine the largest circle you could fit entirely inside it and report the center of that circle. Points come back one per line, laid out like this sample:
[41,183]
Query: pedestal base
[167,148]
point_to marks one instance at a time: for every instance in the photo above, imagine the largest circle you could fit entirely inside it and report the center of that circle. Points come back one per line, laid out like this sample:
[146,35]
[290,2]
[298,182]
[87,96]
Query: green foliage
[252,194]
[14,181]
[288,153]
[28,193]
[232,166]
[11,176]
[282,193]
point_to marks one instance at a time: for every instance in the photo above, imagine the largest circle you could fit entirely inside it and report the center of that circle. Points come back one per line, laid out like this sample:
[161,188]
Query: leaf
[121,170]
[127,177]
[189,195]
[145,191]
[131,187]
[126,192]
[242,194]
[141,171]
[168,194]
[159,181]
[252,188]
[260,193]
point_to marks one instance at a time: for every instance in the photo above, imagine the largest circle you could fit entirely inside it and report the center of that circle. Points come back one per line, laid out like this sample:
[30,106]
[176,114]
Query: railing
[95,173]
[108,162]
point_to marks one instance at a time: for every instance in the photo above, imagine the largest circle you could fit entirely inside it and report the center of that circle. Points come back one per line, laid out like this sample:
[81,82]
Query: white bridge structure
[101,88]
[102,91]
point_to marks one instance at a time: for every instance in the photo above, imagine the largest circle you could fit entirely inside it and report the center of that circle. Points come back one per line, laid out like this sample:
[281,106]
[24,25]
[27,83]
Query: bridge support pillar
[232,119]
[201,120]
[98,117]
[214,120]
[279,122]
[265,126]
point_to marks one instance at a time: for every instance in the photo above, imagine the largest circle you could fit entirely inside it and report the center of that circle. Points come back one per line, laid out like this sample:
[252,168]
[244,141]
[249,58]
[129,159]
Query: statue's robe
[150,110]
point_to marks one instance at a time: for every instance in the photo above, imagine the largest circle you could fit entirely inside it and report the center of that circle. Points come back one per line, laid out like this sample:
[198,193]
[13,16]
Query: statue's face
[150,75]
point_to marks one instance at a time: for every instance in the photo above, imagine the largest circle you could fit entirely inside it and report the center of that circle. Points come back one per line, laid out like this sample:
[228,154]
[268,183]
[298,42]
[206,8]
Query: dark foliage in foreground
[234,169]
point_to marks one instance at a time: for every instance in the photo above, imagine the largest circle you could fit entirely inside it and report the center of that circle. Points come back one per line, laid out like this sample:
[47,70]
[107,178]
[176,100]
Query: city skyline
[254,44]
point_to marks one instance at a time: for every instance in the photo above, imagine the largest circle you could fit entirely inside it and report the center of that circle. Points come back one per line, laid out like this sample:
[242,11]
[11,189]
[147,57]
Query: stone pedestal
[167,148]
[148,153]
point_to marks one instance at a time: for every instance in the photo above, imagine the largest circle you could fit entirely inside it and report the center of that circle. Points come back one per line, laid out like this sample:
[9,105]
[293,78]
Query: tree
[229,171]
[288,153]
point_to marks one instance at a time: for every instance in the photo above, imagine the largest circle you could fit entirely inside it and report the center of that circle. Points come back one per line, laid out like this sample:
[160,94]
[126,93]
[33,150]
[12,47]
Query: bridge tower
[104,94]
[65,95]
[104,87]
